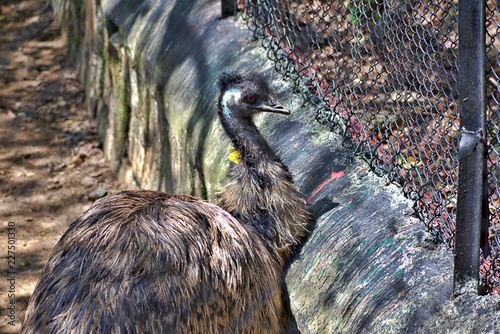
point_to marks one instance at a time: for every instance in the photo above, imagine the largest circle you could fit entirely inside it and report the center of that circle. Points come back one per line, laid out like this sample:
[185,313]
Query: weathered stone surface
[149,68]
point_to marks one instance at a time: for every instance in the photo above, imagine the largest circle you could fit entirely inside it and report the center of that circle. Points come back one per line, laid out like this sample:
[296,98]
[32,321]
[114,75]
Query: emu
[150,262]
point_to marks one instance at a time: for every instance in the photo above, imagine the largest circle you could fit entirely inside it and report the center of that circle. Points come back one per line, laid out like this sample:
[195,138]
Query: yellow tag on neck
[234,155]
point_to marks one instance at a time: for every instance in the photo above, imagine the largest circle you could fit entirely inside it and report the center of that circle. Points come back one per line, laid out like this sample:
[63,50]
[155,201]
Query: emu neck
[247,139]
[260,191]
[242,131]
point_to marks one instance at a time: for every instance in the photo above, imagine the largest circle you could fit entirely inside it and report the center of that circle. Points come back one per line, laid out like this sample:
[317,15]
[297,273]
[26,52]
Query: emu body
[150,262]
[172,267]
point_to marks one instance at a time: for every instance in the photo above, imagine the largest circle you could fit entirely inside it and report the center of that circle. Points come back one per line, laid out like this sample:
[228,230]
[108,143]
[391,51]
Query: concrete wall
[149,70]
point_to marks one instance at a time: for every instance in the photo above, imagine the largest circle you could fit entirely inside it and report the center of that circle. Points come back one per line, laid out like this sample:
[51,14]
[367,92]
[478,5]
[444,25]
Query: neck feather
[260,192]
[244,135]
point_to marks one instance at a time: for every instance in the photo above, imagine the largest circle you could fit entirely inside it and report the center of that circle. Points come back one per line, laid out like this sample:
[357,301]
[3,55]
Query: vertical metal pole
[472,216]
[228,8]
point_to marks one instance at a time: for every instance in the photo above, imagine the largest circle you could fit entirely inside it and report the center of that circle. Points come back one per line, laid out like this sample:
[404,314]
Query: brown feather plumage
[150,262]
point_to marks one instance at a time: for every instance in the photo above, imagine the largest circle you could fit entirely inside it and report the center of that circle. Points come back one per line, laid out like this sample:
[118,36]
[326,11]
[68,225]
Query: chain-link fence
[387,71]
[493,136]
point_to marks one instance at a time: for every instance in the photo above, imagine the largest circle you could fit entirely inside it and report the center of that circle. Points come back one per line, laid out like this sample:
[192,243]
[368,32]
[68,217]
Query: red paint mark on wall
[333,176]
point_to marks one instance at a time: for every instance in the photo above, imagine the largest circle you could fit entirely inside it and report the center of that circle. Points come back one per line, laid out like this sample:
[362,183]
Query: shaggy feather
[150,262]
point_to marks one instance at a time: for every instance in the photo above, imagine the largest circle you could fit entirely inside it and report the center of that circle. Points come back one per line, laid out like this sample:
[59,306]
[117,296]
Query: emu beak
[272,106]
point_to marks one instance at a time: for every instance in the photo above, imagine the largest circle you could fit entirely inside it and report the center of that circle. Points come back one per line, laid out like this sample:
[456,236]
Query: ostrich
[150,262]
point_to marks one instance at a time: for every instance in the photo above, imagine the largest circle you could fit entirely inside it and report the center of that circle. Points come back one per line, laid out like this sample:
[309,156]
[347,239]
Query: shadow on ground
[51,165]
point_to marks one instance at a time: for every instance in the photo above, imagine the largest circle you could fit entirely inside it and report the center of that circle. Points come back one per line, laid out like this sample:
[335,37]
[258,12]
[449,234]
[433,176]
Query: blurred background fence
[387,71]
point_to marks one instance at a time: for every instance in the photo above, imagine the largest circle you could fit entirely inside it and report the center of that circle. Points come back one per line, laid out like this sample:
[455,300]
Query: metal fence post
[472,215]
[228,8]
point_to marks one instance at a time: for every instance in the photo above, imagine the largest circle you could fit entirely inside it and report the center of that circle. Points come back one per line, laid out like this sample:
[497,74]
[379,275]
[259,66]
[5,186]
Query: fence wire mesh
[387,72]
[492,264]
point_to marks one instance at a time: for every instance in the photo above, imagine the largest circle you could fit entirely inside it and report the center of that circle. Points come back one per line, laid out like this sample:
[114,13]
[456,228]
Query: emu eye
[250,99]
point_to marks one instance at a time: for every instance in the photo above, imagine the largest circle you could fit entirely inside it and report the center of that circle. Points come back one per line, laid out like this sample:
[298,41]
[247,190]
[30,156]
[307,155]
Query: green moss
[123,112]
[76,24]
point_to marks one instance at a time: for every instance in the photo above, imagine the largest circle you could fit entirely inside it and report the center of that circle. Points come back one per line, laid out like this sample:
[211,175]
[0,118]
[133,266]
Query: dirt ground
[51,165]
